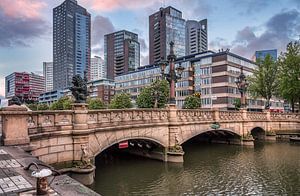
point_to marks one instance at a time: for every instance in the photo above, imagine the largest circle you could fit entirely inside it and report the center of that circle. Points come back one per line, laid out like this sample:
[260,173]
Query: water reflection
[266,169]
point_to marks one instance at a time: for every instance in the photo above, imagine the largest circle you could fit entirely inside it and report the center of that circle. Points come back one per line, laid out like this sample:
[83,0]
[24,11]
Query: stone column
[174,153]
[15,126]
[83,169]
[80,116]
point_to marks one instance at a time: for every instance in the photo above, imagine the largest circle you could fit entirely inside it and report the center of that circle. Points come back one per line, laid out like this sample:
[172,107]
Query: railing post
[244,114]
[15,126]
[216,115]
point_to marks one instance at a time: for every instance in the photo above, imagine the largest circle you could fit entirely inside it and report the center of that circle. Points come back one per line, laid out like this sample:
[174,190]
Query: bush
[42,106]
[32,106]
[121,101]
[192,102]
[95,104]
[64,103]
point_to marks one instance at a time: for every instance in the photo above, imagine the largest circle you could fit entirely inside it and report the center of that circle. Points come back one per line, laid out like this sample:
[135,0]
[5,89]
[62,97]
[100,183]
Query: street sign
[123,145]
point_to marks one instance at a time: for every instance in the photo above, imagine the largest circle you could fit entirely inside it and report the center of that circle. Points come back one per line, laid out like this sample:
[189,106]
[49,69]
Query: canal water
[208,169]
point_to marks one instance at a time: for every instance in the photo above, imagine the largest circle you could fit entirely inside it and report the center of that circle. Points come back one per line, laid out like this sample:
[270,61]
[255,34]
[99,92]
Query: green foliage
[192,102]
[32,106]
[64,103]
[95,104]
[289,74]
[264,81]
[42,106]
[38,106]
[237,103]
[121,101]
[158,91]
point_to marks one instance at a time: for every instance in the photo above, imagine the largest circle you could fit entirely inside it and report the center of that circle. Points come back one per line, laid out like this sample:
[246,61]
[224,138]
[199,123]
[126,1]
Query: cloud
[279,31]
[110,5]
[21,22]
[29,9]
[250,6]
[100,26]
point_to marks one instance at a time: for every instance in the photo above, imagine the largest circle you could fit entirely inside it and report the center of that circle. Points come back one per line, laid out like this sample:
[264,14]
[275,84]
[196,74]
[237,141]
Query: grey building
[71,42]
[48,74]
[196,36]
[165,26]
[121,53]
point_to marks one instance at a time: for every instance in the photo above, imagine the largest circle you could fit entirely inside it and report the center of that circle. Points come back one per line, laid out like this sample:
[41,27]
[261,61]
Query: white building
[48,74]
[98,70]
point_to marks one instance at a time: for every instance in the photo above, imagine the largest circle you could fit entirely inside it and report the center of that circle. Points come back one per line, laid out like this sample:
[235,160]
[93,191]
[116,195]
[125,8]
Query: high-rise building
[48,74]
[71,43]
[26,86]
[121,53]
[165,26]
[261,54]
[196,36]
[98,70]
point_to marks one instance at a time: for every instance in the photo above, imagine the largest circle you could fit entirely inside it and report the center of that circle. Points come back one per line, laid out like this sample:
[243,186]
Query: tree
[95,104]
[289,75]
[264,81]
[237,103]
[156,95]
[63,103]
[121,101]
[42,106]
[192,102]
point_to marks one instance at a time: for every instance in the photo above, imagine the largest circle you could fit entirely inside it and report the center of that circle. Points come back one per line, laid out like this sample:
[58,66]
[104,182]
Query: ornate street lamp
[171,77]
[242,86]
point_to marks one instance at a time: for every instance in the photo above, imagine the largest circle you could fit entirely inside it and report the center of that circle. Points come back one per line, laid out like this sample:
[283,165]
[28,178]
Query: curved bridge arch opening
[124,149]
[258,133]
[222,136]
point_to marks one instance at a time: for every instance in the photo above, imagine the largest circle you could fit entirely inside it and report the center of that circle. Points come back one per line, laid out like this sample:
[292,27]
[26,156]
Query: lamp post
[242,86]
[171,77]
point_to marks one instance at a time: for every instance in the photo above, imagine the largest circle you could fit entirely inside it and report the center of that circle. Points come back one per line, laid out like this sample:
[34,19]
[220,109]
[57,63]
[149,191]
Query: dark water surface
[266,169]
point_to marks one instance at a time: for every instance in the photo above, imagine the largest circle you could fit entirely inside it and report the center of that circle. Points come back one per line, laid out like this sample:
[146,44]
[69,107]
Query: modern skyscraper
[121,53]
[98,70]
[71,42]
[165,26]
[26,86]
[48,74]
[261,54]
[196,36]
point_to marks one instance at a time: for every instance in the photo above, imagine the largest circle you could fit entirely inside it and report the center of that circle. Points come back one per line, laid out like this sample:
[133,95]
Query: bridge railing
[274,116]
[257,116]
[49,121]
[195,115]
[107,118]
[231,115]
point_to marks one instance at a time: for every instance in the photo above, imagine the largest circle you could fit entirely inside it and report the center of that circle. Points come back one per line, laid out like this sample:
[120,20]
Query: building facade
[196,36]
[103,89]
[48,74]
[261,54]
[71,43]
[26,86]
[165,26]
[98,70]
[209,73]
[121,53]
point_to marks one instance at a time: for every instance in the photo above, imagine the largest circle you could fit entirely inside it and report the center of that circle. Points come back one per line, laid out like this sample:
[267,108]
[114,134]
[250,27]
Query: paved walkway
[14,180]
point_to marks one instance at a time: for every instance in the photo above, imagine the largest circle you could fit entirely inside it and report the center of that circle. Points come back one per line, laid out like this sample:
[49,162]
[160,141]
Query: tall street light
[242,86]
[171,77]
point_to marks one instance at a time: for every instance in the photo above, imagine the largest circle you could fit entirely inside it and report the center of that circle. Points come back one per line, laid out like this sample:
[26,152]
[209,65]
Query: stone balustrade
[274,116]
[231,116]
[195,115]
[257,116]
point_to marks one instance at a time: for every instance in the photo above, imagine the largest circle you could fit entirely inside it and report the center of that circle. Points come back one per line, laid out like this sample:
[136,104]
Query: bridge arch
[228,135]
[258,133]
[141,139]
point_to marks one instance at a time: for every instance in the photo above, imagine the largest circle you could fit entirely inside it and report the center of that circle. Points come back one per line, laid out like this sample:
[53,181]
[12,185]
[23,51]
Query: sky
[243,26]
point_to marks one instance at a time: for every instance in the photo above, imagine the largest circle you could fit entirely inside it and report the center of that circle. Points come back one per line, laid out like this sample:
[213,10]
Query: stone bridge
[59,136]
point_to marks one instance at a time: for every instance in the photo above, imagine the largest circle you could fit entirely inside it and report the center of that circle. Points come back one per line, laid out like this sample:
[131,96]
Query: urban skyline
[251,31]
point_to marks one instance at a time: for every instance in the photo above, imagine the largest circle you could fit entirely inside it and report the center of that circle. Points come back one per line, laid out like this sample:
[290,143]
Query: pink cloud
[22,8]
[109,5]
